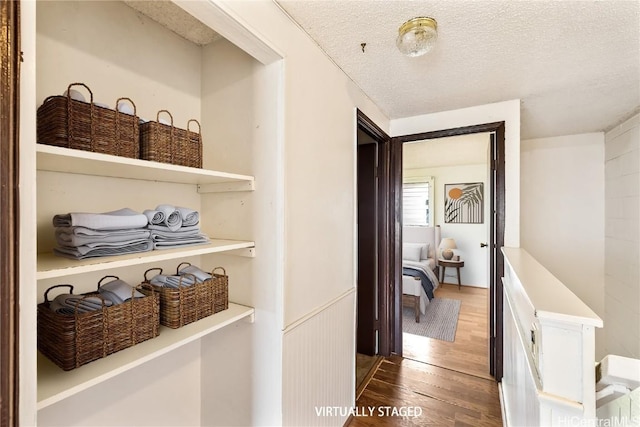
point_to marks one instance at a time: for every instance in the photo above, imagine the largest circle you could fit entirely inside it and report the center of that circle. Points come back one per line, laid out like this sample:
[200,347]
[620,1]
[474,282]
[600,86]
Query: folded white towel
[120,219]
[172,217]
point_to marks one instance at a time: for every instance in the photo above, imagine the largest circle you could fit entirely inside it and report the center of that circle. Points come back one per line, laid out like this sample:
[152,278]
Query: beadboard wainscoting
[319,350]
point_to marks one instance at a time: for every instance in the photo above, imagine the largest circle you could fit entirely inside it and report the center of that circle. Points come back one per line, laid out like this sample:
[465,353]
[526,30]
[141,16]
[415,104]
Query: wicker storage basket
[169,144]
[179,307]
[66,122]
[71,341]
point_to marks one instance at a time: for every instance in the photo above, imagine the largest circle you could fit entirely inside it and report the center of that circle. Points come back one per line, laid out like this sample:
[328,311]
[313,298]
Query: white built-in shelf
[51,266]
[60,159]
[54,384]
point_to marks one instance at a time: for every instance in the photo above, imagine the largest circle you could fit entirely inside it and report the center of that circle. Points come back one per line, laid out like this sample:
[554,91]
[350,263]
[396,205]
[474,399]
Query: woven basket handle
[46,293]
[182,263]
[164,111]
[84,86]
[224,272]
[182,276]
[151,269]
[102,302]
[106,277]
[116,135]
[196,122]
[125,99]
[70,114]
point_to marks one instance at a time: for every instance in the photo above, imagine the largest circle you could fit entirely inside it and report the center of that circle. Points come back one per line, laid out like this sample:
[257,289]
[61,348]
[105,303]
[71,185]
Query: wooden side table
[443,263]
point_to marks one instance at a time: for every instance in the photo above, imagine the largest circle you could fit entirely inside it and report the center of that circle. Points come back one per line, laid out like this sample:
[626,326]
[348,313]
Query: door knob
[482,245]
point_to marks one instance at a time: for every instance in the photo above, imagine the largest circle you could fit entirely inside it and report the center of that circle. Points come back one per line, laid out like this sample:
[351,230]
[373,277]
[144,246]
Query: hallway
[438,383]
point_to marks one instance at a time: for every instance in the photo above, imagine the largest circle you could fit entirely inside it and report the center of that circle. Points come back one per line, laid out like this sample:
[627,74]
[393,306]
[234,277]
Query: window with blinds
[416,203]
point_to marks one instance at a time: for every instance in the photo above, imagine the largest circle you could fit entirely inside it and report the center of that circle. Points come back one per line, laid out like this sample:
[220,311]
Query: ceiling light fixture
[417,36]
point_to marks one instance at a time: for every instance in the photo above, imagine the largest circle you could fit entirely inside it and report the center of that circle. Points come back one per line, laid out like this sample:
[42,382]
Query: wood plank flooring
[469,352]
[438,383]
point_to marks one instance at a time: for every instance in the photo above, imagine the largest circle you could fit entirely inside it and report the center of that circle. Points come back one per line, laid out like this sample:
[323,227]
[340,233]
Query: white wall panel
[622,239]
[562,213]
[319,357]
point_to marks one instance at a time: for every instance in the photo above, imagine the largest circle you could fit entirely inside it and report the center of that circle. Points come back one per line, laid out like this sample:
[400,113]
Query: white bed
[419,246]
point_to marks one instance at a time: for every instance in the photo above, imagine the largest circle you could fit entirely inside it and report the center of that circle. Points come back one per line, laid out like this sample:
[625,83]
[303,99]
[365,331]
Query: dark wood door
[496,259]
[367,249]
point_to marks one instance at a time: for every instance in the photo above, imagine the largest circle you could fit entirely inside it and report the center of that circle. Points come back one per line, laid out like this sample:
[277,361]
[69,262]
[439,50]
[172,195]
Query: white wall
[320,159]
[239,105]
[115,58]
[318,181]
[467,236]
[509,112]
[562,213]
[622,239]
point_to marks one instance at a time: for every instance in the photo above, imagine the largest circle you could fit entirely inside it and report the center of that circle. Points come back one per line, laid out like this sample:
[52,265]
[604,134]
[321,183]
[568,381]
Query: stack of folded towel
[173,226]
[112,293]
[187,276]
[88,235]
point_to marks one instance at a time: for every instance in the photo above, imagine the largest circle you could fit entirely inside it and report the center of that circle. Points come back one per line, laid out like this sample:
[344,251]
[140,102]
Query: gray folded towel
[182,230]
[120,219]
[172,217]
[86,251]
[71,236]
[189,216]
[172,281]
[158,245]
[119,291]
[72,304]
[154,217]
[198,273]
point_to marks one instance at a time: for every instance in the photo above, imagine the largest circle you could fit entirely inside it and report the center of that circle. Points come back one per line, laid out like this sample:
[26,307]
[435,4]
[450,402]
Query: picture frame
[464,203]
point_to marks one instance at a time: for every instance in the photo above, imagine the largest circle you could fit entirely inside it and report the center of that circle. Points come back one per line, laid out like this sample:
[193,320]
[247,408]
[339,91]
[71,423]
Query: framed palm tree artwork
[464,203]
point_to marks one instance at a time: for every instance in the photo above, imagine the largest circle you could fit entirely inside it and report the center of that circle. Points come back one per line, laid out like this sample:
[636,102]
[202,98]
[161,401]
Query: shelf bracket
[250,318]
[227,187]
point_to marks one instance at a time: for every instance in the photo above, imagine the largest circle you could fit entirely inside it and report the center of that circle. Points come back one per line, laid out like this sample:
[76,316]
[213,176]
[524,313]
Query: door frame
[497,225]
[385,324]
[9,247]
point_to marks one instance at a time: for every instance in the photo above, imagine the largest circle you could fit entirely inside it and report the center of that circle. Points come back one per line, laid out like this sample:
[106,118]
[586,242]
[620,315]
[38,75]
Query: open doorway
[446,214]
[388,308]
[495,196]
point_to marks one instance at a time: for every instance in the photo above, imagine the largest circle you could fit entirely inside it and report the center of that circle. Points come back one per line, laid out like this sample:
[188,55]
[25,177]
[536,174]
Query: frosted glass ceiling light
[417,36]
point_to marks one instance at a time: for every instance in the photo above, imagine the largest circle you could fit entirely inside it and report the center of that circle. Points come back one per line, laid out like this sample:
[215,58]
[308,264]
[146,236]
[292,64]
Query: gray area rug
[440,320]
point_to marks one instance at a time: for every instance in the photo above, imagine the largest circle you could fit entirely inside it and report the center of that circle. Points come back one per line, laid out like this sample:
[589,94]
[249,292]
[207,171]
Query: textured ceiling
[575,65]
[176,19]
